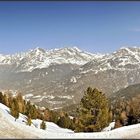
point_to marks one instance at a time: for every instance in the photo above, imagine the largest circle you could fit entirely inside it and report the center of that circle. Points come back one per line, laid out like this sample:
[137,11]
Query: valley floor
[10,128]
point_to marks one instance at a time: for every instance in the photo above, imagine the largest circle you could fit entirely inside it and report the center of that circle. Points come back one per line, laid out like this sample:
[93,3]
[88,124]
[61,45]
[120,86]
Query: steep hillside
[128,92]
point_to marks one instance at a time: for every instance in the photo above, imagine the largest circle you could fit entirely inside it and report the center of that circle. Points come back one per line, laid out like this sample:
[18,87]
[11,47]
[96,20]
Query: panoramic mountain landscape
[57,80]
[69,70]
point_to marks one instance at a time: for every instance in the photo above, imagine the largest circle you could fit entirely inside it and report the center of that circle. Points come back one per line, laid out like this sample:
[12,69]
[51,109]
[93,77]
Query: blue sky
[92,26]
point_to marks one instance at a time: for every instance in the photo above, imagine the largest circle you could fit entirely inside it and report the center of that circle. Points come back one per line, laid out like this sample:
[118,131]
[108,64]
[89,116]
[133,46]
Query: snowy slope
[11,129]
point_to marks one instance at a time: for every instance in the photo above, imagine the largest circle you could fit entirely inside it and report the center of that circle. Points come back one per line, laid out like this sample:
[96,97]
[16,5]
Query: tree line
[18,105]
[126,111]
[95,112]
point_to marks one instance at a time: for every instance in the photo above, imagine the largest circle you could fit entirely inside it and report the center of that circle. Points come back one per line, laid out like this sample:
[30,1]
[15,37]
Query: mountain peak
[76,48]
[70,48]
[129,48]
[38,49]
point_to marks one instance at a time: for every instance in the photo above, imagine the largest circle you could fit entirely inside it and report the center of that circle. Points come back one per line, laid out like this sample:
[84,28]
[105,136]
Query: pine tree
[93,112]
[33,112]
[1,97]
[29,120]
[14,110]
[54,116]
[21,103]
[65,121]
[5,100]
[31,109]
[10,100]
[43,125]
[47,114]
[27,108]
[134,113]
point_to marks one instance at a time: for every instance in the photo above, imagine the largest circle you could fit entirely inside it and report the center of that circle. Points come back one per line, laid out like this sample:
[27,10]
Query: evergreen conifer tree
[1,97]
[14,110]
[43,125]
[29,120]
[65,122]
[21,103]
[93,111]
[31,109]
[5,100]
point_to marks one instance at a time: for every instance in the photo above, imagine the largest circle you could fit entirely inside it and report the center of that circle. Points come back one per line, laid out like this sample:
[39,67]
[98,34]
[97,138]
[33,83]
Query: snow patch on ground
[66,97]
[73,80]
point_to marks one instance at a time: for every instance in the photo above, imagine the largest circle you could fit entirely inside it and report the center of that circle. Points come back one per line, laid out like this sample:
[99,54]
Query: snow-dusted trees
[93,112]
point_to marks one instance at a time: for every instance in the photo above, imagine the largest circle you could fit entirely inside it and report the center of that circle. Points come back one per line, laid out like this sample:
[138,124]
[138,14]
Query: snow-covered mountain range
[59,77]
[40,58]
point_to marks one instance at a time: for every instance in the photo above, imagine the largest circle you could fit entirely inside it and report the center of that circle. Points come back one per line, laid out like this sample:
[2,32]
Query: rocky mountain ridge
[41,58]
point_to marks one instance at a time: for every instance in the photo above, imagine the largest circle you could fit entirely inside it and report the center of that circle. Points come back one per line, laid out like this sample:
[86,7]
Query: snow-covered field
[9,128]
